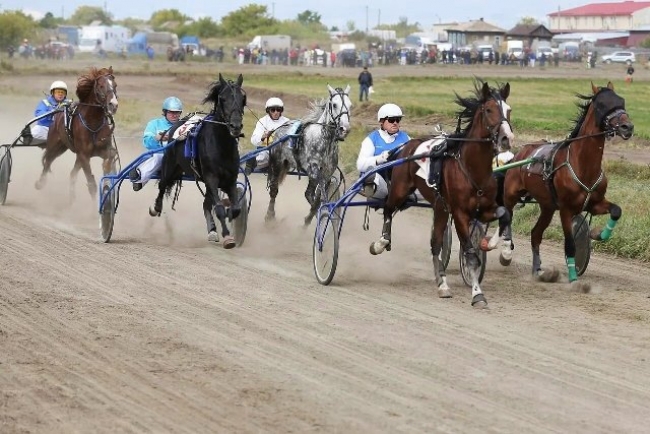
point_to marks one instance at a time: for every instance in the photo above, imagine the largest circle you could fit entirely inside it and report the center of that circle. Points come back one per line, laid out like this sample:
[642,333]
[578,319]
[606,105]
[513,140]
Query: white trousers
[262,159]
[39,132]
[381,190]
[149,167]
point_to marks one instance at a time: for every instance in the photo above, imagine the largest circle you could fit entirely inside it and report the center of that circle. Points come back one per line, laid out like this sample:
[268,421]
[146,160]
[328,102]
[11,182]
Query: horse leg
[566,217]
[440,221]
[156,209]
[274,176]
[235,205]
[91,183]
[536,234]
[396,197]
[615,213]
[313,196]
[503,233]
[49,155]
[209,219]
[472,260]
[211,189]
[73,178]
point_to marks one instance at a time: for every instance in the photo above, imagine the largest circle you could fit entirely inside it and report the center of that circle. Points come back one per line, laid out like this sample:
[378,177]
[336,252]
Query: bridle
[494,129]
[220,112]
[335,121]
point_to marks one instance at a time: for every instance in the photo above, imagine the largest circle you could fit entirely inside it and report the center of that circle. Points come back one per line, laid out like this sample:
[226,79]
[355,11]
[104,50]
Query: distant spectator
[629,72]
[365,82]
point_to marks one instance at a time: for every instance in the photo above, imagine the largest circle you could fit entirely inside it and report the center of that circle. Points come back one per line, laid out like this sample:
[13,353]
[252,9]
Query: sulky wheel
[240,225]
[477,233]
[445,254]
[5,173]
[107,215]
[580,229]
[326,248]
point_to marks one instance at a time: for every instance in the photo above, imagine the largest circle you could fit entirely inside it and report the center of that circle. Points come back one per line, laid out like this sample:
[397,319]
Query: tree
[308,17]
[14,27]
[133,24]
[85,15]
[49,21]
[203,28]
[159,18]
[527,21]
[249,20]
[351,26]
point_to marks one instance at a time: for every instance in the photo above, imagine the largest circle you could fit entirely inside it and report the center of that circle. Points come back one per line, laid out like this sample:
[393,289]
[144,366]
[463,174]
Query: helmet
[389,111]
[172,104]
[274,102]
[58,85]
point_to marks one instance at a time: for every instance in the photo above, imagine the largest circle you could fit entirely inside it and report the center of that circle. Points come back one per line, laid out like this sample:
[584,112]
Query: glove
[383,157]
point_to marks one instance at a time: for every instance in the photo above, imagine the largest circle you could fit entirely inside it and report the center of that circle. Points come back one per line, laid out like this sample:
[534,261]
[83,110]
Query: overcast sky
[502,13]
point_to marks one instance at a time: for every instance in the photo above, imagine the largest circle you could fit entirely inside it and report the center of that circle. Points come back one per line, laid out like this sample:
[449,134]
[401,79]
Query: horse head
[338,110]
[229,101]
[98,88]
[496,112]
[609,112]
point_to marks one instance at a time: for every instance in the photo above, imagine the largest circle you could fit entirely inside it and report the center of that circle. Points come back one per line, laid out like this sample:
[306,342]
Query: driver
[155,136]
[263,133]
[376,147]
[55,100]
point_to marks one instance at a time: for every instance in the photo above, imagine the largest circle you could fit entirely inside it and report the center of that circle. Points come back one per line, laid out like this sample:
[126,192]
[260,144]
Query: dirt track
[160,331]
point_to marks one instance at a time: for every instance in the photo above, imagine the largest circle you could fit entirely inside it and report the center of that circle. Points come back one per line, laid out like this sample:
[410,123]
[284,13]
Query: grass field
[541,108]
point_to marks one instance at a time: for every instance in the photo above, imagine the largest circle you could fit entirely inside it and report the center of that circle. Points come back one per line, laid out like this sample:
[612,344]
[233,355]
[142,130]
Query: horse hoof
[479,302]
[548,276]
[39,185]
[503,261]
[213,236]
[269,218]
[444,293]
[484,245]
[153,212]
[594,234]
[229,242]
[580,287]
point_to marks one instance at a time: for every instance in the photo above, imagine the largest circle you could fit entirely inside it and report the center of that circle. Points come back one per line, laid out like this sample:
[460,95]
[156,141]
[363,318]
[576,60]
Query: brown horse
[468,189]
[86,128]
[568,176]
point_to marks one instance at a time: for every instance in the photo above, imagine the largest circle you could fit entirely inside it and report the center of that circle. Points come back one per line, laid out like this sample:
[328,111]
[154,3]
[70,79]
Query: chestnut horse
[568,176]
[85,128]
[468,188]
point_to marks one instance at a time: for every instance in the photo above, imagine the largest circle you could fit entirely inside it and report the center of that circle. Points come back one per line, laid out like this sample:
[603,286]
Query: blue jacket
[381,146]
[45,106]
[154,127]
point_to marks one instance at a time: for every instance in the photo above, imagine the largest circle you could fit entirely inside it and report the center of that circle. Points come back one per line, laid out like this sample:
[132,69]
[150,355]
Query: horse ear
[221,80]
[240,80]
[594,88]
[485,91]
[610,85]
[331,90]
[347,89]
[110,69]
[505,91]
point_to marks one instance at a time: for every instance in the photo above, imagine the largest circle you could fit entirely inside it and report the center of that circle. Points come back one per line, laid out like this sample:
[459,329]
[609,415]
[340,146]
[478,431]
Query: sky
[502,13]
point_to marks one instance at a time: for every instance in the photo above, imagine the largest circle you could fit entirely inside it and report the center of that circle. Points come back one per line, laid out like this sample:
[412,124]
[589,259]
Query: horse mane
[469,106]
[583,103]
[213,93]
[86,83]
[316,109]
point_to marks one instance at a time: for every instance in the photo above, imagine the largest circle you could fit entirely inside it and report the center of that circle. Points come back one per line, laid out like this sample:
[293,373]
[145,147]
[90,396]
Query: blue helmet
[172,104]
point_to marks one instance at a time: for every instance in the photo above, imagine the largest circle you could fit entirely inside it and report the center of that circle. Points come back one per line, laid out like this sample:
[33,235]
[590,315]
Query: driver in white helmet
[376,147]
[156,136]
[55,100]
[263,133]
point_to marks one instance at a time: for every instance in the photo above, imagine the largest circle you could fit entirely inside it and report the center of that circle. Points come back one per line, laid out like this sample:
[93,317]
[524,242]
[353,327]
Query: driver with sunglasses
[376,147]
[263,133]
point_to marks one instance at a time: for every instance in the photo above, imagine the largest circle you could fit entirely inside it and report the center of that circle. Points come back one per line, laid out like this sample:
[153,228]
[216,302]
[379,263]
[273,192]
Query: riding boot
[435,168]
[26,135]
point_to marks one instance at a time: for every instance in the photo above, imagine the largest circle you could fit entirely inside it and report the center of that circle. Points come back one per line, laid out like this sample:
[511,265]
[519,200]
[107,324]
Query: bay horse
[568,176]
[468,189]
[314,151]
[85,128]
[217,157]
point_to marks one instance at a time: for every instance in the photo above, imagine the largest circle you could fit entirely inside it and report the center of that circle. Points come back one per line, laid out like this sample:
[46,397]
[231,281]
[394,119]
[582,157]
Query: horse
[85,128]
[314,151]
[568,176]
[217,157]
[468,189]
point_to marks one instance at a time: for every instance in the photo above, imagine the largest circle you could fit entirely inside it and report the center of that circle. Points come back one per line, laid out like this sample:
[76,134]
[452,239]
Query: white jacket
[266,124]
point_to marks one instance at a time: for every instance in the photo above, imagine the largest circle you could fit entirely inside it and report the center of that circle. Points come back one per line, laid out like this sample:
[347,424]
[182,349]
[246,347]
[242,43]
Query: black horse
[216,161]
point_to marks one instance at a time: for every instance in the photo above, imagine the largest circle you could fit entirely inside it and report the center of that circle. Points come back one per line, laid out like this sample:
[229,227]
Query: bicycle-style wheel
[240,224]
[580,228]
[5,173]
[326,248]
[107,215]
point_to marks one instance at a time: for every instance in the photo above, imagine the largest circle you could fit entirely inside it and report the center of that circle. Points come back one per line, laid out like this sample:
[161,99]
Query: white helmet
[58,85]
[389,111]
[274,102]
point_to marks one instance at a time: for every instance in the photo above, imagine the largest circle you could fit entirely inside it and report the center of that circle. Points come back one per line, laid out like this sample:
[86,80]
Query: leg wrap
[571,266]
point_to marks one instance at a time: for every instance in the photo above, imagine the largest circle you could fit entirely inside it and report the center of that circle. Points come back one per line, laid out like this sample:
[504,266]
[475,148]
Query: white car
[627,57]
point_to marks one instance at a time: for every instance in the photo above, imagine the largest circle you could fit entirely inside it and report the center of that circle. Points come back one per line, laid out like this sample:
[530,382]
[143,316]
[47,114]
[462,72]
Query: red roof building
[601,17]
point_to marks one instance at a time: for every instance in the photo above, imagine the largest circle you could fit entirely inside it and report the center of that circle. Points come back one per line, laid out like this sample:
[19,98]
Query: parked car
[627,57]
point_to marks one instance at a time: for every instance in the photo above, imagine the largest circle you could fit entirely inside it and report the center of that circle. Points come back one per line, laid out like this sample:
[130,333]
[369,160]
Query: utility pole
[272,10]
[366,19]
[378,17]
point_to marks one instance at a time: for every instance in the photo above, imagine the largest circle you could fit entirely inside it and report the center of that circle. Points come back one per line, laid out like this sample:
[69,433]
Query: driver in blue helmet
[156,136]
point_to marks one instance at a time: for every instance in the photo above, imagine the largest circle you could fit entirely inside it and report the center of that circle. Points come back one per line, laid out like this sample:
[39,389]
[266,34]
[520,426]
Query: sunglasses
[393,120]
[174,113]
[276,109]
